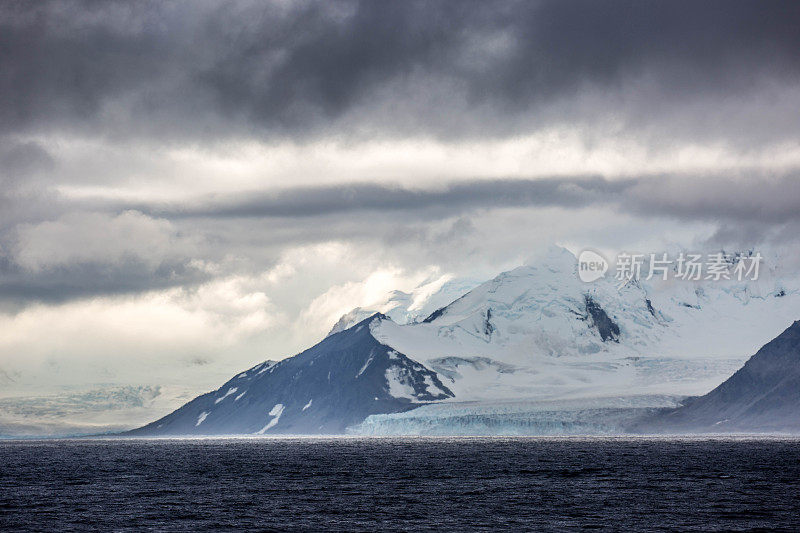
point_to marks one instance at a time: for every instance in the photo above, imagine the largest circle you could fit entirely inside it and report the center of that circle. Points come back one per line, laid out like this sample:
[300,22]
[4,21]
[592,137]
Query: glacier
[595,416]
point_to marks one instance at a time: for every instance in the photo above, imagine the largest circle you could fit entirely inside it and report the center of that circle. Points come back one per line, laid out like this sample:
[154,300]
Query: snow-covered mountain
[539,332]
[532,340]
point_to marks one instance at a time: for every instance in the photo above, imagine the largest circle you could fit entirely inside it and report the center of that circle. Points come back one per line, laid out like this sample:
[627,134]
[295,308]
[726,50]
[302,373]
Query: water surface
[400,484]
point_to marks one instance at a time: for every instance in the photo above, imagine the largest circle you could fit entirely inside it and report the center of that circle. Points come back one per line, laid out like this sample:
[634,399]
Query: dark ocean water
[400,484]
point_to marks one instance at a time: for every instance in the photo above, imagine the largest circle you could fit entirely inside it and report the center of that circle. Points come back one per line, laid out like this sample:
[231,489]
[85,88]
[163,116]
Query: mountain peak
[354,318]
[552,255]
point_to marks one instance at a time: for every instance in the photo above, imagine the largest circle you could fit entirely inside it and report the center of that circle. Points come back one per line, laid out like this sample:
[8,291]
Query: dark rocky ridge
[607,328]
[433,316]
[762,396]
[323,390]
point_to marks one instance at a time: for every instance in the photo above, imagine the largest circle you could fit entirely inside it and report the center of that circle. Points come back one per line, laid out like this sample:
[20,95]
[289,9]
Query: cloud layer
[199,70]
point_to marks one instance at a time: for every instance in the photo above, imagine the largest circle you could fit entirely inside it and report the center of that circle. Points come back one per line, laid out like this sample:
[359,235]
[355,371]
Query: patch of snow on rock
[276,413]
[230,391]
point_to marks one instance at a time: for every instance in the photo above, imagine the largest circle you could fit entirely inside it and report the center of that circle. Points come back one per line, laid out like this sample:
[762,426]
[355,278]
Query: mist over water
[454,484]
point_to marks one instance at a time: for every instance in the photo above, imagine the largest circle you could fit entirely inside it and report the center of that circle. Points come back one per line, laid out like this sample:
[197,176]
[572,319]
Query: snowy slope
[538,332]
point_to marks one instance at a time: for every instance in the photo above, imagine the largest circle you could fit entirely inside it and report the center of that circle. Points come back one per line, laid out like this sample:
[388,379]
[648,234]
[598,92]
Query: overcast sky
[188,188]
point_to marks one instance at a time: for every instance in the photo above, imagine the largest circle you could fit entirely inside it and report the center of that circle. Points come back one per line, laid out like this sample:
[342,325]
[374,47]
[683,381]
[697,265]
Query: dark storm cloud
[753,199]
[300,69]
[20,160]
[444,201]
[253,229]
[709,197]
[18,287]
